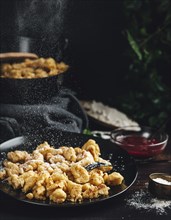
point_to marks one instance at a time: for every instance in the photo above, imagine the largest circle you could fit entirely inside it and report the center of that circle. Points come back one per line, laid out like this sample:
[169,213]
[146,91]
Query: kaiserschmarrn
[33,68]
[59,174]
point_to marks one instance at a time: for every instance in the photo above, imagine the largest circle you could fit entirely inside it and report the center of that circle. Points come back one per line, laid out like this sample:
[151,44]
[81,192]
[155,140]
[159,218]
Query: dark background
[85,34]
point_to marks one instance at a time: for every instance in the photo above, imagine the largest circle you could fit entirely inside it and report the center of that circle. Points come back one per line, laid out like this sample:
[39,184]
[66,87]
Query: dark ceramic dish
[122,162]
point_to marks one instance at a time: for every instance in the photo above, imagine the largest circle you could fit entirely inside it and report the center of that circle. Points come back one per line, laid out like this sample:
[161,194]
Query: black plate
[122,162]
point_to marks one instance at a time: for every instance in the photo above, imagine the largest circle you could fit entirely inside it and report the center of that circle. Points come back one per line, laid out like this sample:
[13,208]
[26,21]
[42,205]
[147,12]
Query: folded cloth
[62,112]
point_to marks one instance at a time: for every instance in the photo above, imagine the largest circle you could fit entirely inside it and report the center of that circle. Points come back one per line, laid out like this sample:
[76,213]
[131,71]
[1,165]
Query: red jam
[140,146]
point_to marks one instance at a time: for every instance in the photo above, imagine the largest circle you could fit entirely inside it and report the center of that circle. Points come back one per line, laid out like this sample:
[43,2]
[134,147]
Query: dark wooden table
[117,208]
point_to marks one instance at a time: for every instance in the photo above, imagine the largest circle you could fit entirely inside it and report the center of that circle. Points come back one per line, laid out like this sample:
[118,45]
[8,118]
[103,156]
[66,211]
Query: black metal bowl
[30,91]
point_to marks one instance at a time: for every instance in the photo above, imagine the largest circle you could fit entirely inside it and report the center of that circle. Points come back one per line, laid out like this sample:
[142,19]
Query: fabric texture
[62,112]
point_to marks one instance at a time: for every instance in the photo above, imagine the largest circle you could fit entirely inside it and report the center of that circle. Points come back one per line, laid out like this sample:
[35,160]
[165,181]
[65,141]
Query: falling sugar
[45,16]
[42,20]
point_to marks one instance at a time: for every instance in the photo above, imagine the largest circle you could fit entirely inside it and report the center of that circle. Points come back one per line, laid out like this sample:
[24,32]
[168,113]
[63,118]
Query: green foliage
[148,33]
[87,131]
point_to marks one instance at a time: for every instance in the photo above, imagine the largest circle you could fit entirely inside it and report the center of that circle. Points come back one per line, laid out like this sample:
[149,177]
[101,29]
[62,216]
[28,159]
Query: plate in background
[105,115]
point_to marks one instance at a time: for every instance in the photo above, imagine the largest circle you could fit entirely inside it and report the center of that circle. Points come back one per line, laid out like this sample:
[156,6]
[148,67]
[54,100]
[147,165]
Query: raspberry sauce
[139,146]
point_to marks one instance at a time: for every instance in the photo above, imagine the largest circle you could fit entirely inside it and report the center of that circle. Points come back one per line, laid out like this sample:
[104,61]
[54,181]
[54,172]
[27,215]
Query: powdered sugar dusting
[162,181]
[144,200]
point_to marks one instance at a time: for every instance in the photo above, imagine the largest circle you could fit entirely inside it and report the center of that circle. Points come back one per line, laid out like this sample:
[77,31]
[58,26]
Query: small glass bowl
[160,185]
[138,140]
